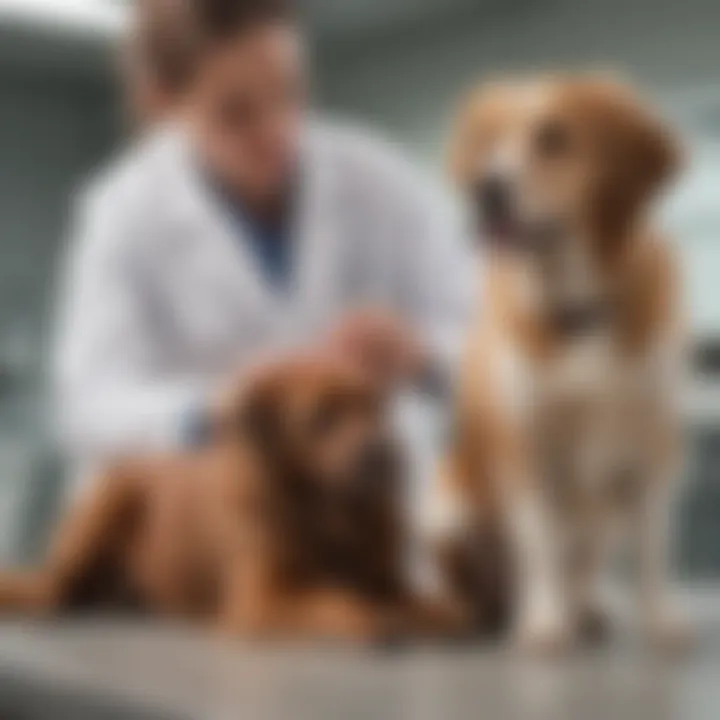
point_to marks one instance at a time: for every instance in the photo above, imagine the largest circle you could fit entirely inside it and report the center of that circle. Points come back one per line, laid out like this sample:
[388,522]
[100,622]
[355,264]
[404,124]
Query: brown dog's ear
[639,154]
[247,409]
[256,419]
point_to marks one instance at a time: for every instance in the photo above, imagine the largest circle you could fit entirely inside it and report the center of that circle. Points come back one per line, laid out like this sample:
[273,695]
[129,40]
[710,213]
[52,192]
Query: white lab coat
[161,298]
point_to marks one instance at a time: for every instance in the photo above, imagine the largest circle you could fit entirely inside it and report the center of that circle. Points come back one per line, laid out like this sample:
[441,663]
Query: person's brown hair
[171,34]
[215,20]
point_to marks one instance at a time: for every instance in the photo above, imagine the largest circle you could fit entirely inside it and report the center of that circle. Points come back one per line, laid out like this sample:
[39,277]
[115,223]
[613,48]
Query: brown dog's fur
[276,529]
[531,392]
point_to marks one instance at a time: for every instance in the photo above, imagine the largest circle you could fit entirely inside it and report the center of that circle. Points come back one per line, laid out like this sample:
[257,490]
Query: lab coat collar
[199,214]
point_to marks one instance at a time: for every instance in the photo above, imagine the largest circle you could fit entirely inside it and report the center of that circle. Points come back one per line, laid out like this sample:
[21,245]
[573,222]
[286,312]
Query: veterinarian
[245,227]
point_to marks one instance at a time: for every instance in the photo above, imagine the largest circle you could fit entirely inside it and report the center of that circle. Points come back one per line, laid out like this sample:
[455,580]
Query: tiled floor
[176,673]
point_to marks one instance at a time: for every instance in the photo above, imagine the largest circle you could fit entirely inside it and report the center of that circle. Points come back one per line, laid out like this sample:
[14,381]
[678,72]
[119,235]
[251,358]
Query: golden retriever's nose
[494,205]
[494,195]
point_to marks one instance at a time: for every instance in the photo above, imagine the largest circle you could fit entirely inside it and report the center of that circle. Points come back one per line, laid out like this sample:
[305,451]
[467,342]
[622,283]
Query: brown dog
[288,525]
[567,427]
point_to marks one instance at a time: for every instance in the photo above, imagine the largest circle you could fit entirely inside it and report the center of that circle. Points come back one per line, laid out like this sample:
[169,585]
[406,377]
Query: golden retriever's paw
[593,625]
[542,637]
[670,632]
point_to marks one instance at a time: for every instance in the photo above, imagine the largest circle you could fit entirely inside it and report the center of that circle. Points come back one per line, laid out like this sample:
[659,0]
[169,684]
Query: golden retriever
[567,422]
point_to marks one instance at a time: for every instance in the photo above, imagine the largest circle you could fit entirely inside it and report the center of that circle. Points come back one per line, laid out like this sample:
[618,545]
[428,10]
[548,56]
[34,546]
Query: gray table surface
[158,671]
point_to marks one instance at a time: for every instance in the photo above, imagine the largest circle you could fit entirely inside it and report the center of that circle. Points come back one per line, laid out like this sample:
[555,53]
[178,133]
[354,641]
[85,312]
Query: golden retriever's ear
[639,154]
[654,153]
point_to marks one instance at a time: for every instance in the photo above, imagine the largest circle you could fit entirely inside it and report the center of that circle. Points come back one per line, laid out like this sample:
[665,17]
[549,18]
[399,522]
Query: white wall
[408,81]
[51,135]
[52,132]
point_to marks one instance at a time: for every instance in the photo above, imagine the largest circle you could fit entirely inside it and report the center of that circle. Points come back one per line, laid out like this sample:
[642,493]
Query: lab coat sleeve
[437,278]
[438,271]
[110,401]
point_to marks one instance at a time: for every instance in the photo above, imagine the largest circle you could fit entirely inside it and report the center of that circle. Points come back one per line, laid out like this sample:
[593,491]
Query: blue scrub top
[270,244]
[269,241]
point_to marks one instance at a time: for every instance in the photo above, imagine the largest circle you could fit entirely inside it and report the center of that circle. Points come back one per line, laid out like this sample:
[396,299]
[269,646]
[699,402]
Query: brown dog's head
[556,158]
[320,428]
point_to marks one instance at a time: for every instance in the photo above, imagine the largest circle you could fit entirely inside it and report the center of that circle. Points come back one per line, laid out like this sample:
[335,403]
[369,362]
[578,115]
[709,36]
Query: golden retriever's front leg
[663,622]
[541,614]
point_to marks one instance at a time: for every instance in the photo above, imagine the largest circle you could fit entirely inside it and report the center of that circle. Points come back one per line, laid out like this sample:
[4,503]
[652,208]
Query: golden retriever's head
[321,428]
[559,157]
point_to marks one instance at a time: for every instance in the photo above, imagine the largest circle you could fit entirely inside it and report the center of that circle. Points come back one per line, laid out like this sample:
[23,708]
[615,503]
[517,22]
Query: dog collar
[581,318]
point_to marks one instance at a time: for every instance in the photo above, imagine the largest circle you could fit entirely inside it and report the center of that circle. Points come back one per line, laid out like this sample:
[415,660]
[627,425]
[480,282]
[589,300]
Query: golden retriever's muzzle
[501,225]
[495,212]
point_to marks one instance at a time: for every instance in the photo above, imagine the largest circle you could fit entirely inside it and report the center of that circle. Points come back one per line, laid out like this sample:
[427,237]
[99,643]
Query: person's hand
[381,344]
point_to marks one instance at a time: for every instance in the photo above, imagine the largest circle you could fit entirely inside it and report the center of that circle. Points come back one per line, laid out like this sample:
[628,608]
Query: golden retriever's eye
[552,139]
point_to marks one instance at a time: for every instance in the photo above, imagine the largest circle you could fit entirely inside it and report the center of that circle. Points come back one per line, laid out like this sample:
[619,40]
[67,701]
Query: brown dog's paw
[431,620]
[445,620]
[344,618]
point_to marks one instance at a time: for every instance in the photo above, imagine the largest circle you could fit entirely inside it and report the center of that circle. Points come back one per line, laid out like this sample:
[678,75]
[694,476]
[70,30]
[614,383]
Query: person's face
[246,105]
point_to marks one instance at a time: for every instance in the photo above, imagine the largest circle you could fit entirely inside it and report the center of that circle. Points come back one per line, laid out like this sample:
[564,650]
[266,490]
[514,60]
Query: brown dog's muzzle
[377,462]
[375,472]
